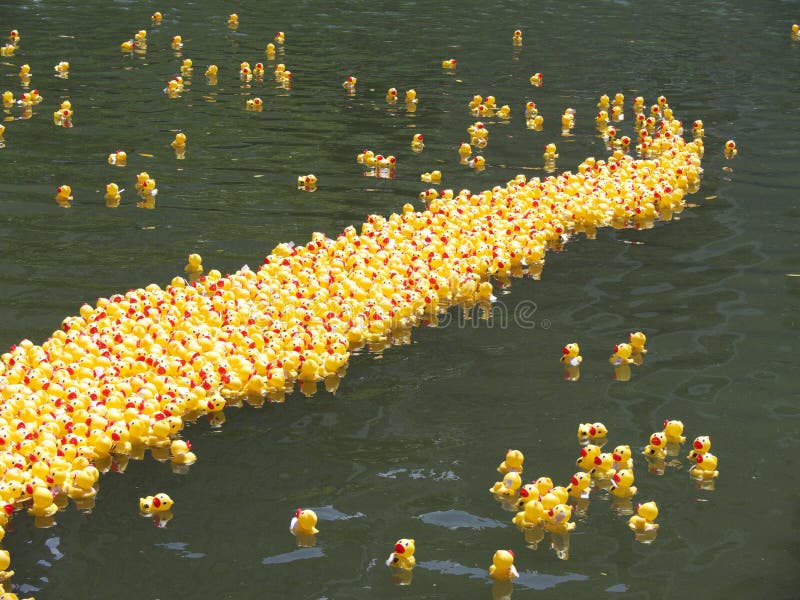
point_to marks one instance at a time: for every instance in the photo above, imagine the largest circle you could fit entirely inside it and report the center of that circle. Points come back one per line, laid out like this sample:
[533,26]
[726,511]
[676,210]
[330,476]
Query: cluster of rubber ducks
[624,354]
[127,374]
[377,165]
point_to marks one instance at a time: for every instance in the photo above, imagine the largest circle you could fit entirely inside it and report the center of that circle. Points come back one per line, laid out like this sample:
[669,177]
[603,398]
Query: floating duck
[233,21]
[64,194]
[730,149]
[211,71]
[616,113]
[177,42]
[619,99]
[512,462]
[258,71]
[464,151]
[622,484]
[349,85]
[477,163]
[502,567]
[186,67]
[530,109]
[508,486]
[254,104]
[417,143]
[174,87]
[700,445]
[307,183]
[638,105]
[245,73]
[7,50]
[304,522]
[391,95]
[411,97]
[705,466]
[159,503]
[25,74]
[432,177]
[156,18]
[531,515]
[673,431]
[82,483]
[43,505]
[571,354]
[536,123]
[604,102]
[269,50]
[579,485]
[62,69]
[179,142]
[181,453]
[536,80]
[280,38]
[449,63]
[586,459]
[644,518]
[568,120]
[623,458]
[516,39]
[550,152]
[403,555]
[559,519]
[504,112]
[14,37]
[622,355]
[637,342]
[112,196]
[127,46]
[656,448]
[2,132]
[5,562]
[8,99]
[603,466]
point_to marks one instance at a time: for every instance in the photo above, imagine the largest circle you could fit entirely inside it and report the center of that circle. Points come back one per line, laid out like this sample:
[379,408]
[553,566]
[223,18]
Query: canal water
[408,444]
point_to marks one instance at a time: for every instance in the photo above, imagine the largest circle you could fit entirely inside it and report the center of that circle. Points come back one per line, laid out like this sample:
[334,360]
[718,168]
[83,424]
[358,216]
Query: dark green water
[408,445]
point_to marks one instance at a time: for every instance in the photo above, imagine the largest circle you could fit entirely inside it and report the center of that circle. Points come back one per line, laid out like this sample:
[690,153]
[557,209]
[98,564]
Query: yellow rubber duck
[622,355]
[536,123]
[112,196]
[513,462]
[504,112]
[537,79]
[161,503]
[730,149]
[156,18]
[194,264]
[280,38]
[403,555]
[656,448]
[411,97]
[140,40]
[616,113]
[622,484]
[7,50]
[464,151]
[2,132]
[571,354]
[187,67]
[637,341]
[307,183]
[62,69]
[417,143]
[25,74]
[623,458]
[64,194]
[179,141]
[586,459]
[516,39]
[181,453]
[233,21]
[673,430]
[530,109]
[508,486]
[700,445]
[5,562]
[705,466]
[531,515]
[127,46]
[43,505]
[8,99]
[432,177]
[559,519]
[579,485]
[502,567]
[304,522]
[177,42]
[349,85]
[211,71]
[258,71]
[391,95]
[269,50]
[550,152]
[477,163]
[647,513]
[449,63]
[604,102]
